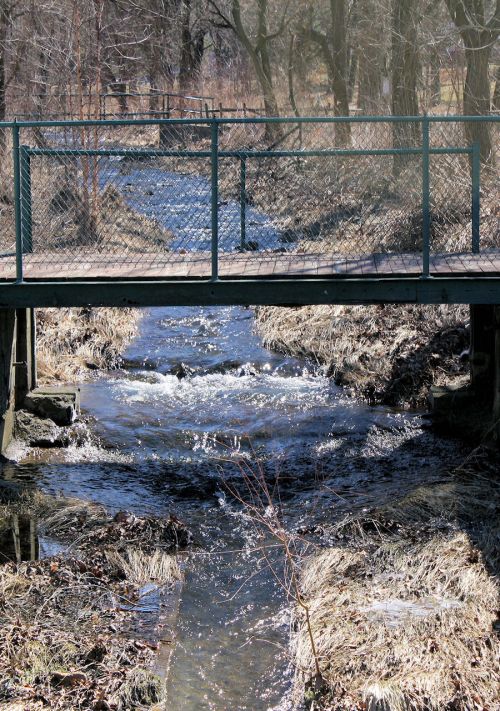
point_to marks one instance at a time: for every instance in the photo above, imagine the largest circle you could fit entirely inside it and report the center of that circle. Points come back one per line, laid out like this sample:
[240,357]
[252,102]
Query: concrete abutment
[17,366]
[40,416]
[473,411]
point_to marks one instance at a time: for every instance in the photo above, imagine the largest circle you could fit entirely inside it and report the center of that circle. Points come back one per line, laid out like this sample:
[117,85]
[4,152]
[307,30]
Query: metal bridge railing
[178,198]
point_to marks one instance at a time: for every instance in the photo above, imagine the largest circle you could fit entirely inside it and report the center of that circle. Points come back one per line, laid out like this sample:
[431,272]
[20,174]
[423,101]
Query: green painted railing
[22,155]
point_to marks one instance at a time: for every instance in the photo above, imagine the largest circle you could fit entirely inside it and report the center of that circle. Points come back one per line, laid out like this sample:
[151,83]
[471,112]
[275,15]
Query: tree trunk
[434,79]
[154,72]
[334,52]
[404,77]
[477,99]
[353,72]
[185,60]
[3,104]
[370,58]
[266,81]
[153,95]
[340,78]
[478,36]
[495,102]
[259,56]
[3,80]
[221,63]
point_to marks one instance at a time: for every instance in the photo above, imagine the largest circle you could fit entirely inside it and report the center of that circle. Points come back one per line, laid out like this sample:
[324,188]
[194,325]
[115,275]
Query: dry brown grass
[64,218]
[406,617]
[109,226]
[389,354]
[356,205]
[70,341]
[158,567]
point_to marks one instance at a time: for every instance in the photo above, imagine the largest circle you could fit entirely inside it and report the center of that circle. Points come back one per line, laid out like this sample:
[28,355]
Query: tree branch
[227,22]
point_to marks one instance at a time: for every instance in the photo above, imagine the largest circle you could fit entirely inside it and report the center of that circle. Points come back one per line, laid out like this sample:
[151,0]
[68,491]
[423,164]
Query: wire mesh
[316,202]
[7,211]
[134,199]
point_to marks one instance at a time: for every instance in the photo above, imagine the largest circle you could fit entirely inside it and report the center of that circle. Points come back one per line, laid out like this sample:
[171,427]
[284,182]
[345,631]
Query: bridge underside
[227,292]
[96,279]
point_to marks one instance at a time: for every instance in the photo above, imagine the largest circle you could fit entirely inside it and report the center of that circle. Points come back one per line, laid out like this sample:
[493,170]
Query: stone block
[61,405]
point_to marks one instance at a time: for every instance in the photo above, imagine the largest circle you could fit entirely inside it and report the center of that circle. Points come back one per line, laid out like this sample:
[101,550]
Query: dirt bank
[384,354]
[403,604]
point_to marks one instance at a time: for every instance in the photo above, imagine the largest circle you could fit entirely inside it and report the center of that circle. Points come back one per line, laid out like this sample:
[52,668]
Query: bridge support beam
[485,360]
[17,366]
[25,380]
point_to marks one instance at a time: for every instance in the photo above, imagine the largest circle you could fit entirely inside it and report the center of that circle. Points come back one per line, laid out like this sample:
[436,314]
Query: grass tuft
[404,610]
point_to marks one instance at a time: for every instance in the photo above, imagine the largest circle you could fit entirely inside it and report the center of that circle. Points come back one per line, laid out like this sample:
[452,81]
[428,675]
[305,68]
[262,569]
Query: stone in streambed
[181,371]
[39,432]
[61,405]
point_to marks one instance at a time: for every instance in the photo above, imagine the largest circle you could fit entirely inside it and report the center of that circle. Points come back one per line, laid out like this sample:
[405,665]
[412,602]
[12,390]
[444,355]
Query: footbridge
[284,211]
[256,211]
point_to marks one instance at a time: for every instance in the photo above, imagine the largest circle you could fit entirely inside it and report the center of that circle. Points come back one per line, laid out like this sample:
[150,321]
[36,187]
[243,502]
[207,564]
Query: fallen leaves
[64,620]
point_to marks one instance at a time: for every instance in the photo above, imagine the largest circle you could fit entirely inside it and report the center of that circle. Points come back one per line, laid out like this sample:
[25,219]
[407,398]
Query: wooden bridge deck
[83,265]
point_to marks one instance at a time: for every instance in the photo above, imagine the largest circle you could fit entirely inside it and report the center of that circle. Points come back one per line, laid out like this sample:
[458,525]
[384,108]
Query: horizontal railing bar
[491,118]
[452,150]
[156,94]
[157,112]
[87,123]
[118,152]
[344,152]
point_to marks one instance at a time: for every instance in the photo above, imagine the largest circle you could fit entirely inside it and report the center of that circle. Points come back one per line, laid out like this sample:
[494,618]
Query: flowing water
[196,389]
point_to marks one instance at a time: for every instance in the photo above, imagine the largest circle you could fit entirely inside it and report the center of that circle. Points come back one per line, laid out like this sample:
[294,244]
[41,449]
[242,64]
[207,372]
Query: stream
[196,393]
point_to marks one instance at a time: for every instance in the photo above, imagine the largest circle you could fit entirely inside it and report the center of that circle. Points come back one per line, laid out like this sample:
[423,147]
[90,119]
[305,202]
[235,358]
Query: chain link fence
[208,198]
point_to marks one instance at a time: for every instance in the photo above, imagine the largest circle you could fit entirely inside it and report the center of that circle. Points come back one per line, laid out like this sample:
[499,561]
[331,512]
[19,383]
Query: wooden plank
[86,265]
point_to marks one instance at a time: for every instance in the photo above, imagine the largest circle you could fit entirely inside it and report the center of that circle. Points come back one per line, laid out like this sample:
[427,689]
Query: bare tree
[495,102]
[333,49]
[257,43]
[193,35]
[10,11]
[478,34]
[370,20]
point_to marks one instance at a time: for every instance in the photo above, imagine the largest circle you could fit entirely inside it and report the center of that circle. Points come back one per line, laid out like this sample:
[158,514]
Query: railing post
[26,206]
[17,202]
[243,204]
[215,200]
[476,196]
[426,200]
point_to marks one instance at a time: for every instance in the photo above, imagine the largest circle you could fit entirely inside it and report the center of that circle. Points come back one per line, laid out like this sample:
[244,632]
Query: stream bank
[402,601]
[74,584]
[389,354]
